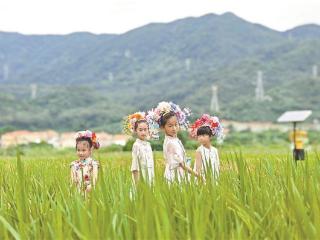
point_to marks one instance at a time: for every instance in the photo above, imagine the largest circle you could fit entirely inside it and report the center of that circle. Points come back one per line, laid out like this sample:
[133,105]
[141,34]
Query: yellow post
[298,138]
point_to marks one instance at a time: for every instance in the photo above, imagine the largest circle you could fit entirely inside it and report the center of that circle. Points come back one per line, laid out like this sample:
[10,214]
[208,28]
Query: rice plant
[259,195]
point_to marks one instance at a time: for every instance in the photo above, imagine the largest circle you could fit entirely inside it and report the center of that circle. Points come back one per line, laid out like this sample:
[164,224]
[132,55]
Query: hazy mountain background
[91,81]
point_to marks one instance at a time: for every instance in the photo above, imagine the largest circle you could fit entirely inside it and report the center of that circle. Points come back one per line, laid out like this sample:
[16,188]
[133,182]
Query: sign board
[294,116]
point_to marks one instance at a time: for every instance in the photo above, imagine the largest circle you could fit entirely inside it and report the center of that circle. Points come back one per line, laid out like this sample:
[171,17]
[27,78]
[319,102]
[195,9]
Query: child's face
[204,139]
[83,150]
[172,127]
[142,131]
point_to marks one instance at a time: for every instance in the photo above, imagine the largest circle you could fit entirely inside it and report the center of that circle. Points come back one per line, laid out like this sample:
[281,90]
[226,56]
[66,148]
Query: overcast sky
[118,16]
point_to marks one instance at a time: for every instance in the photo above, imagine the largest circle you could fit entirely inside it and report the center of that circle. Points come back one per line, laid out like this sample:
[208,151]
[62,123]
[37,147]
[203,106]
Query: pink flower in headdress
[91,135]
[207,120]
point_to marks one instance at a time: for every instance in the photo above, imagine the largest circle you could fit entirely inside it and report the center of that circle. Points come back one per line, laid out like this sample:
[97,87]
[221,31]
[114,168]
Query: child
[84,171]
[170,118]
[142,157]
[207,158]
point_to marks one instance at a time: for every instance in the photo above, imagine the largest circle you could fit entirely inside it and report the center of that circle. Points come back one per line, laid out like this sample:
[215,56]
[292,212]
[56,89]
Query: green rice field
[261,194]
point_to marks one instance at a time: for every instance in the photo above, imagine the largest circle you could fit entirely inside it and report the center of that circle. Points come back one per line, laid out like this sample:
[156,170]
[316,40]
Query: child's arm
[189,169]
[178,161]
[135,164]
[135,176]
[217,164]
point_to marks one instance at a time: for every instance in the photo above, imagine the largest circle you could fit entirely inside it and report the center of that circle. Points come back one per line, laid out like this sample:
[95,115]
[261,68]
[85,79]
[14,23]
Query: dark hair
[165,117]
[84,139]
[204,130]
[138,122]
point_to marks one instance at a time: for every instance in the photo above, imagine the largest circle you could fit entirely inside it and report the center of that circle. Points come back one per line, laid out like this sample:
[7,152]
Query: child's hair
[204,130]
[136,124]
[165,117]
[84,139]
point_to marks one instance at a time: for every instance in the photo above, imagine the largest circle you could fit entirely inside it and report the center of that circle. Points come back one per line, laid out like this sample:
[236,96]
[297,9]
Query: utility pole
[214,100]
[259,88]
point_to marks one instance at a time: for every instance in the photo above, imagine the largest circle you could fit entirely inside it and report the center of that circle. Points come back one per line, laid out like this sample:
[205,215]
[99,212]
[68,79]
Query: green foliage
[129,144]
[156,145]
[6,129]
[192,145]
[248,138]
[92,81]
[41,148]
[314,137]
[114,148]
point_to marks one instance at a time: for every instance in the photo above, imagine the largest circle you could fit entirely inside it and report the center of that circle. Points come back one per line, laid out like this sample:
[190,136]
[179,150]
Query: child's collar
[209,148]
[141,141]
[86,159]
[167,136]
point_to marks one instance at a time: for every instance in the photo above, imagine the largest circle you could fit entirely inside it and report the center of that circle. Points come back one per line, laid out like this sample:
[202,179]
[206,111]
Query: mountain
[308,31]
[87,80]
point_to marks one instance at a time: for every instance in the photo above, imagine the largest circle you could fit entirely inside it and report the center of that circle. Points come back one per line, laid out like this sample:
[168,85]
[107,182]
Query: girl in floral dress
[84,170]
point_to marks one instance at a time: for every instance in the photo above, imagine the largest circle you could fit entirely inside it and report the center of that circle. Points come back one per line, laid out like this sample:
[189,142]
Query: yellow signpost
[298,137]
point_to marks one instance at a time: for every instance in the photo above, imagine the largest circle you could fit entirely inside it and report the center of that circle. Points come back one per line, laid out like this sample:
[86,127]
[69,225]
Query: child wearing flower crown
[170,118]
[142,156]
[84,171]
[207,157]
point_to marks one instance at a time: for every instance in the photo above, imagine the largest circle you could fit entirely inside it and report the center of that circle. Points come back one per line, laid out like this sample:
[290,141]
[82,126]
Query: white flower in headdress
[164,107]
[88,134]
[130,121]
[154,116]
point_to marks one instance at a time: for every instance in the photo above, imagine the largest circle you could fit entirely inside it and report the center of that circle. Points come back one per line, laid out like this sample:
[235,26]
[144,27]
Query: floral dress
[84,173]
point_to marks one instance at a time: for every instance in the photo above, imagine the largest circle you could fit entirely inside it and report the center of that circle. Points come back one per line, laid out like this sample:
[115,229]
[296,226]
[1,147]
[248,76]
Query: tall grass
[260,194]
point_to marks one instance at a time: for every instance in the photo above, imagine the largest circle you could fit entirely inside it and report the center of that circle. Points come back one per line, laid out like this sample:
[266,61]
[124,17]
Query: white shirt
[174,154]
[142,159]
[210,161]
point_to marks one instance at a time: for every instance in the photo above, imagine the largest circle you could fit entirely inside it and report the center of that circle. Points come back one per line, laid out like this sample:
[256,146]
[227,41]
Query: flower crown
[88,134]
[129,122]
[206,120]
[164,108]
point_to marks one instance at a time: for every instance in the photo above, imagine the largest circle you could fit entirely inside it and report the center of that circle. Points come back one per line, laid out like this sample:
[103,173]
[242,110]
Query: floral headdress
[129,122]
[89,134]
[164,108]
[206,120]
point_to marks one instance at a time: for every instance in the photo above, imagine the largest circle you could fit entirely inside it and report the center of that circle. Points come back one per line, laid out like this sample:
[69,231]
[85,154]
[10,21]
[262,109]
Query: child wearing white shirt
[142,156]
[207,162]
[173,150]
[137,125]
